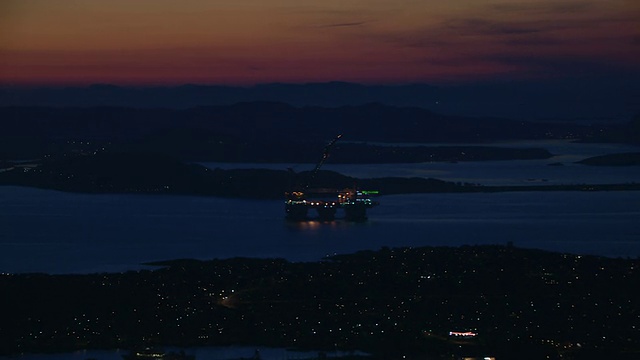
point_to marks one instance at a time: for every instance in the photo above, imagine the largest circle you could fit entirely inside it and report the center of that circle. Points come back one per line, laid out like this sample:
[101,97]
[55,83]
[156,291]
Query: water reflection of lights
[309,225]
[313,225]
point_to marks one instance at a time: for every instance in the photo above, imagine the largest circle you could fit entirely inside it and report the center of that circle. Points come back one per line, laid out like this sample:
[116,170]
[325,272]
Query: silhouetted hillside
[569,100]
[148,173]
[192,133]
[159,174]
[618,133]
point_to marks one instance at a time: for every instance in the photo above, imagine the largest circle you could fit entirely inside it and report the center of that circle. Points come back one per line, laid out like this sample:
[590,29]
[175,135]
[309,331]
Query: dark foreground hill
[394,303]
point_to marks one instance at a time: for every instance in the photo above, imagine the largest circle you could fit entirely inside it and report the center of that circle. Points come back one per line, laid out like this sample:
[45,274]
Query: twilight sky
[242,42]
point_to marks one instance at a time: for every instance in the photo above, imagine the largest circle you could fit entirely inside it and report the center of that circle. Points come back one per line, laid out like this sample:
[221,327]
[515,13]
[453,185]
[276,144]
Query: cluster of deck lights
[312,203]
[463,334]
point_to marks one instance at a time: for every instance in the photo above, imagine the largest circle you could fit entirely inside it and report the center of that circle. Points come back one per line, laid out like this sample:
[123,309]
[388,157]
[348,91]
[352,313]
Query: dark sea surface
[56,232]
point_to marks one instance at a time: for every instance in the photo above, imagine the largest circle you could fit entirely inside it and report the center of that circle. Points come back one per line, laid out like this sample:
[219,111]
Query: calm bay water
[55,232]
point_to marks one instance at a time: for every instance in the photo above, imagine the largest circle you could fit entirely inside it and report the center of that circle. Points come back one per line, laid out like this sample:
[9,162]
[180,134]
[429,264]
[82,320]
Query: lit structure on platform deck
[353,202]
[326,202]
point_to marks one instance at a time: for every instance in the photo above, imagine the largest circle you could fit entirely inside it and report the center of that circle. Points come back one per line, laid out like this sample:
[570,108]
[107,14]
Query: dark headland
[144,173]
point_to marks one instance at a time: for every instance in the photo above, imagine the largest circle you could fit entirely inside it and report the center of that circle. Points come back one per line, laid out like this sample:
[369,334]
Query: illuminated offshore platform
[326,202]
[353,202]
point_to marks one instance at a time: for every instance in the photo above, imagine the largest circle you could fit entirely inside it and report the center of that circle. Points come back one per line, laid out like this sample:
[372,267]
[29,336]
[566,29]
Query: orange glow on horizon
[195,41]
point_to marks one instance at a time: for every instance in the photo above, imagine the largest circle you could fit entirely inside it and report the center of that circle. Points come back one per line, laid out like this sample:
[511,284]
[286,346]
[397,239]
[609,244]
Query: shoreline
[152,173]
[421,187]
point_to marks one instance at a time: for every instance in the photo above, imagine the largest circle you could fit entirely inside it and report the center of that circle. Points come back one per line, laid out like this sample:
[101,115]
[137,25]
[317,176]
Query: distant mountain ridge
[277,121]
[573,100]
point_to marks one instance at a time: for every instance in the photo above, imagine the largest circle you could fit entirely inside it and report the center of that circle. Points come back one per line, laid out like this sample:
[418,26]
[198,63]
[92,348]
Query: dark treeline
[393,303]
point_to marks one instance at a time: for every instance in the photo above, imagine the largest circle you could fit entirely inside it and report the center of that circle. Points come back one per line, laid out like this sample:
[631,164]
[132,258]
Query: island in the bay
[107,172]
